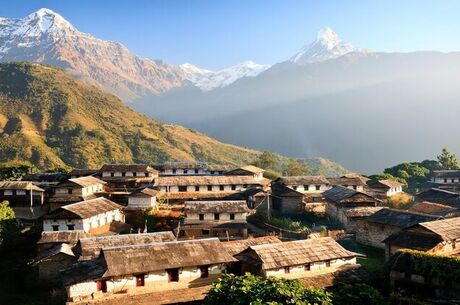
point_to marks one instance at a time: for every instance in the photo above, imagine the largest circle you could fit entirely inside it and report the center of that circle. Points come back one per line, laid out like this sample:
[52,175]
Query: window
[182,188]
[173,275]
[185,171]
[205,232]
[201,216]
[204,272]
[174,171]
[294,187]
[123,174]
[233,187]
[146,174]
[112,174]
[196,171]
[445,180]
[55,227]
[232,216]
[216,216]
[287,270]
[305,187]
[318,187]
[209,187]
[140,280]
[134,174]
[197,188]
[71,227]
[221,187]
[453,180]
[102,285]
[307,267]
[69,191]
[355,187]
[220,172]
[212,172]
[328,263]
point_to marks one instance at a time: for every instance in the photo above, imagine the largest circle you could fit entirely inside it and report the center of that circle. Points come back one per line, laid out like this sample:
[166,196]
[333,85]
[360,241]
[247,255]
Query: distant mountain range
[367,110]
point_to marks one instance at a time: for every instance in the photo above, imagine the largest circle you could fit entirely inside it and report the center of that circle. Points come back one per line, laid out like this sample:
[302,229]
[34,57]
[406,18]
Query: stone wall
[373,234]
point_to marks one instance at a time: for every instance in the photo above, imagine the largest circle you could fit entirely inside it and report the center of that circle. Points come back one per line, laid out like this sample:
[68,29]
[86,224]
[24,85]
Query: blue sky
[217,34]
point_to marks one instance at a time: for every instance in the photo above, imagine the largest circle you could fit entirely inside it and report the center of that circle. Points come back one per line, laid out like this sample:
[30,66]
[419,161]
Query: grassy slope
[67,121]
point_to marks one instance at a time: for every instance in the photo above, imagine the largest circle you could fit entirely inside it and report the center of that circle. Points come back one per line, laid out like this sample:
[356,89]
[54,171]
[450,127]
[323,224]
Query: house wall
[195,217]
[154,281]
[446,180]
[288,205]
[78,190]
[203,188]
[126,174]
[142,202]
[84,224]
[372,234]
[221,232]
[394,190]
[22,197]
[311,188]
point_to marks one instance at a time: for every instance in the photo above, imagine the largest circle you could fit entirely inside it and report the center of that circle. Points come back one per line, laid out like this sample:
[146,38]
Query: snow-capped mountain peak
[208,80]
[327,45]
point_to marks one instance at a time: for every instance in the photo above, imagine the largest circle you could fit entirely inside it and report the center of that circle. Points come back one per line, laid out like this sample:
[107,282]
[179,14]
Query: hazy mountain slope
[366,111]
[49,118]
[46,37]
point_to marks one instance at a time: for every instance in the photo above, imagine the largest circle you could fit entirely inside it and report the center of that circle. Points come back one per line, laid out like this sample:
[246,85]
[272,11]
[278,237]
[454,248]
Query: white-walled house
[147,268]
[445,176]
[192,169]
[305,184]
[223,219]
[296,259]
[143,198]
[387,187]
[84,216]
[126,177]
[77,189]
[354,182]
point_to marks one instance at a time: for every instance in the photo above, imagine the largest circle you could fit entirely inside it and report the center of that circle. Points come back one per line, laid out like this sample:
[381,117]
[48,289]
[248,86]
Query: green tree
[361,294]
[448,160]
[267,160]
[8,224]
[15,170]
[253,290]
[295,168]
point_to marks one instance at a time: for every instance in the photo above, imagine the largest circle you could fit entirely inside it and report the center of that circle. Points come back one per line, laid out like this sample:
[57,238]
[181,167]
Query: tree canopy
[8,225]
[15,170]
[448,160]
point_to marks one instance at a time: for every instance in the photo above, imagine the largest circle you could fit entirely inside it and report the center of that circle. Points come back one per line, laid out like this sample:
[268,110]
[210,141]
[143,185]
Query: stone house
[86,216]
[25,198]
[296,259]
[126,177]
[76,190]
[353,218]
[143,198]
[340,198]
[353,182]
[147,268]
[51,261]
[386,187]
[223,219]
[385,222]
[287,201]
[438,236]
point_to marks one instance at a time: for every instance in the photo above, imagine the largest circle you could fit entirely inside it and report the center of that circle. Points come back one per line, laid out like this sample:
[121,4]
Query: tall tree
[295,168]
[448,160]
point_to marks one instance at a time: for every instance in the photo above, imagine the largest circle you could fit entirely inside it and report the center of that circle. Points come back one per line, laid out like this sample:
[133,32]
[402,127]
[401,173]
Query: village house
[192,169]
[296,194]
[353,218]
[340,198]
[353,182]
[84,172]
[183,188]
[248,170]
[296,259]
[90,247]
[439,196]
[386,187]
[51,261]
[438,236]
[385,222]
[147,268]
[77,189]
[143,198]
[445,176]
[97,216]
[126,177]
[223,219]
[25,198]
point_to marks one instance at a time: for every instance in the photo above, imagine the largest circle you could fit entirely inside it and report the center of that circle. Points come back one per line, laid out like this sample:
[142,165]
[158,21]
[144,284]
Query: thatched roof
[220,167]
[160,256]
[302,180]
[295,253]
[435,209]
[209,180]
[84,209]
[233,206]
[69,237]
[82,181]
[236,246]
[447,229]
[144,192]
[399,218]
[19,185]
[248,168]
[90,247]
[358,212]
[137,168]
[386,183]
[446,174]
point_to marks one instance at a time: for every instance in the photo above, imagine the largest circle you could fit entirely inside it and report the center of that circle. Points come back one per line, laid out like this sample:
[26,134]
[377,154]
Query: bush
[361,294]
